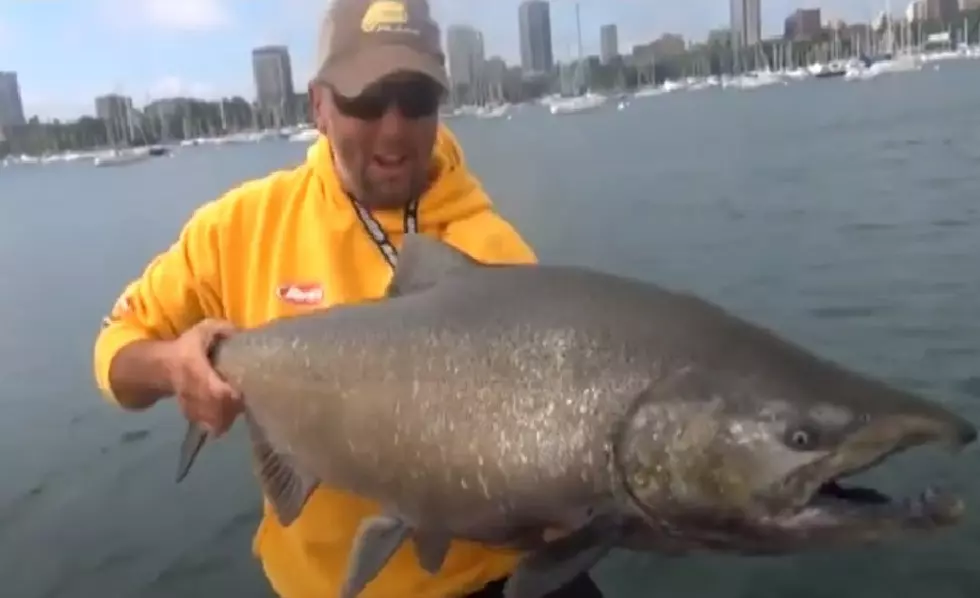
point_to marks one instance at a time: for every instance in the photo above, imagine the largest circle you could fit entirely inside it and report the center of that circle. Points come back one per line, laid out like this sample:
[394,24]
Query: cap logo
[386,16]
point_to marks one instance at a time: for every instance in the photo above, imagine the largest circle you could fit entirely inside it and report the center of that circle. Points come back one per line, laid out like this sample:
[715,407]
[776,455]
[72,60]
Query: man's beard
[374,196]
[365,192]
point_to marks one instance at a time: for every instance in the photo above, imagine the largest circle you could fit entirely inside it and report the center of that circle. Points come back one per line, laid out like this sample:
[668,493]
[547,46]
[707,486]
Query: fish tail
[194,440]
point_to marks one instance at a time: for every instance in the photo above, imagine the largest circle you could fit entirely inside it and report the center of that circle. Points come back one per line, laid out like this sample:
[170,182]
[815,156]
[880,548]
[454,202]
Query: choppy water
[845,215]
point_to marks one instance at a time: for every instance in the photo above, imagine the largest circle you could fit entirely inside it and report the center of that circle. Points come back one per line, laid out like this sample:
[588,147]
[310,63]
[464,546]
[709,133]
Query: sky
[66,52]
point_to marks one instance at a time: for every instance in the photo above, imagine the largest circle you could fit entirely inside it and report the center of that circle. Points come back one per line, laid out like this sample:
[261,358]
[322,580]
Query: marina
[849,70]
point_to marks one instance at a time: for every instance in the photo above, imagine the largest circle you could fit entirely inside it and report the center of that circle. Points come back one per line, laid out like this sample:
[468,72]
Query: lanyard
[378,234]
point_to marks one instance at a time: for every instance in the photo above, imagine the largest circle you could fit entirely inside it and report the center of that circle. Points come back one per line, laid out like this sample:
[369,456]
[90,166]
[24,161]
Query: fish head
[743,463]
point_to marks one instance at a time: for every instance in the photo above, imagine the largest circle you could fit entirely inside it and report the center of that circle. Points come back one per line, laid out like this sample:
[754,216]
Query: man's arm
[140,374]
[179,288]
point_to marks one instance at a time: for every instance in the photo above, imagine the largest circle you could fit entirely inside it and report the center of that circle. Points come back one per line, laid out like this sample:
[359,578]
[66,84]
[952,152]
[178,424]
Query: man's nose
[392,120]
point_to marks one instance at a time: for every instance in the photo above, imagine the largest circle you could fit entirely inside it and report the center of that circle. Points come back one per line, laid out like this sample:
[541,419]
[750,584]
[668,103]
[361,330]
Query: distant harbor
[107,157]
[846,69]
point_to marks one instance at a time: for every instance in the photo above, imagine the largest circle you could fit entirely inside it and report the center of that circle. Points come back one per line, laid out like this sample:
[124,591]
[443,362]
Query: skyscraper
[465,54]
[274,94]
[746,22]
[803,24]
[535,28]
[608,43]
[945,11]
[116,111]
[11,105]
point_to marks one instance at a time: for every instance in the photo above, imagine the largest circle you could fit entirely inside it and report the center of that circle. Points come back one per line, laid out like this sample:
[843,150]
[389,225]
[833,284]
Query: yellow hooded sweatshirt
[292,242]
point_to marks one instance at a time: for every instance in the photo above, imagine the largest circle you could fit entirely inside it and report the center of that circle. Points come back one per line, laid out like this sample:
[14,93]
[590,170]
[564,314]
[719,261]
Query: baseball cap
[363,41]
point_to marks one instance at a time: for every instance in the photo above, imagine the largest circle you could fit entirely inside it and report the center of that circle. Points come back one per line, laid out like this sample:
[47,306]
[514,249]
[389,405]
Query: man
[323,233]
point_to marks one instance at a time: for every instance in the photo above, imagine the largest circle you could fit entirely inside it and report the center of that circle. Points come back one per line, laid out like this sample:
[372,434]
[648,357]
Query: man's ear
[318,106]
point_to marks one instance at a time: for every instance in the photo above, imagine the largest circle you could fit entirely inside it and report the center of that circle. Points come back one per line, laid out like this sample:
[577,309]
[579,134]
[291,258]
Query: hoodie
[282,245]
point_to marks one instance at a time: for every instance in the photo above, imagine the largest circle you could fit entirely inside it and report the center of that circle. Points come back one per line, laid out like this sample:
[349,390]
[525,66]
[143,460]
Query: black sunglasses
[415,98]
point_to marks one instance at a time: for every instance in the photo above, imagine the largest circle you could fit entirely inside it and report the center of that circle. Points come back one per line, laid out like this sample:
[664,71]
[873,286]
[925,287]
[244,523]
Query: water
[844,215]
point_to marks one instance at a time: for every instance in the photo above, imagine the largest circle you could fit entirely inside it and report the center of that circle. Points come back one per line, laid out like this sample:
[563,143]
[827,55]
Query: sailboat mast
[583,82]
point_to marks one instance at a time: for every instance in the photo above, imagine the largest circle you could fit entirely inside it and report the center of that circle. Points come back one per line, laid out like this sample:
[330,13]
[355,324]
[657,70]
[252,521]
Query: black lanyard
[378,234]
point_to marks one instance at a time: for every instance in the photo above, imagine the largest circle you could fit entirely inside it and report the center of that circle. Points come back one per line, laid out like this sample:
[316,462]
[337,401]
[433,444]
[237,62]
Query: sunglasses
[415,98]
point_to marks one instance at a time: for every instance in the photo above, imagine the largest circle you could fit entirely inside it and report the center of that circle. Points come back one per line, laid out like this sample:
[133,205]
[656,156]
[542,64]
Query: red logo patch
[301,294]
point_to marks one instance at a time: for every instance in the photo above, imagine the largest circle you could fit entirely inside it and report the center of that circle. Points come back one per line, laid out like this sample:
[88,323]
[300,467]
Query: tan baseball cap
[363,41]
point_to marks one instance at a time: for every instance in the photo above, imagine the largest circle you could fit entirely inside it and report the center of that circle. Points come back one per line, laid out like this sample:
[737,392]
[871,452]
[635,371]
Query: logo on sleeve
[123,306]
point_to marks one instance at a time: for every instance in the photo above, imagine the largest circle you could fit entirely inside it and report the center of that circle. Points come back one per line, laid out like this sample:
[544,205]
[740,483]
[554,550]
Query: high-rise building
[116,112]
[803,24]
[495,76]
[746,22]
[608,43]
[535,28]
[720,37]
[945,11]
[915,11]
[669,44]
[466,58]
[11,105]
[274,94]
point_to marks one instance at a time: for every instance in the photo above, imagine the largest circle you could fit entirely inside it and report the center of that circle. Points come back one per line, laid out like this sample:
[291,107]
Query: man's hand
[204,397]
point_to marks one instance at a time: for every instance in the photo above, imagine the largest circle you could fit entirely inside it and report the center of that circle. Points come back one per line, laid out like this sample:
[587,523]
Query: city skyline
[148,49]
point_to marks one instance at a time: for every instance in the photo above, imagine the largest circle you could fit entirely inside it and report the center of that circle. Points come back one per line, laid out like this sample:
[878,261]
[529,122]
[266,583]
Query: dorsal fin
[423,262]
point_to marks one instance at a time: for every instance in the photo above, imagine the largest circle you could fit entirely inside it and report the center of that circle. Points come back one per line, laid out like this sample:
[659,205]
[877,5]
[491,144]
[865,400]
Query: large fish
[492,403]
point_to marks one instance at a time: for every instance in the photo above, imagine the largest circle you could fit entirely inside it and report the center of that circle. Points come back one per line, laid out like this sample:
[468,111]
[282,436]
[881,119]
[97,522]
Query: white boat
[797,74]
[754,80]
[121,158]
[670,86]
[491,112]
[577,101]
[648,91]
[576,104]
[305,135]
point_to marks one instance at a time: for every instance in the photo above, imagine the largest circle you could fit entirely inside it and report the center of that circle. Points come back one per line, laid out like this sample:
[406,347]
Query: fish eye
[802,438]
[641,479]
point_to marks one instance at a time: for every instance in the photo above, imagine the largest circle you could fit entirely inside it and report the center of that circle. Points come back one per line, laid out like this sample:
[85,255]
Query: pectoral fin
[194,439]
[284,485]
[378,538]
[430,549]
[195,436]
[560,561]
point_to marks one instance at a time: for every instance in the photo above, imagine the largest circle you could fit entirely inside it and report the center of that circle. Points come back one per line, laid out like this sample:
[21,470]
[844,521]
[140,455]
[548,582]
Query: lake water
[844,215]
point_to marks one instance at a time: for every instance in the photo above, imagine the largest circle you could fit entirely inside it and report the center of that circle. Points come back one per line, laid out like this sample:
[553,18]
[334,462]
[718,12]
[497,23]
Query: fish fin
[194,439]
[286,488]
[560,561]
[422,262]
[377,540]
[195,436]
[431,549]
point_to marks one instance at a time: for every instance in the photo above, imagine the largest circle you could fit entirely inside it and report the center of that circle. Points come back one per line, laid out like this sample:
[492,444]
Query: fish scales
[488,400]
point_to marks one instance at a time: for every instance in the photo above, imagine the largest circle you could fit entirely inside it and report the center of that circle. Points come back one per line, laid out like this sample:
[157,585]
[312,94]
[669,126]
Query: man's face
[383,138]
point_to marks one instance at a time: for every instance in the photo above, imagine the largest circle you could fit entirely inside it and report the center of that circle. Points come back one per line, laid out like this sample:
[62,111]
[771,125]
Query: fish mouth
[863,509]
[825,501]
